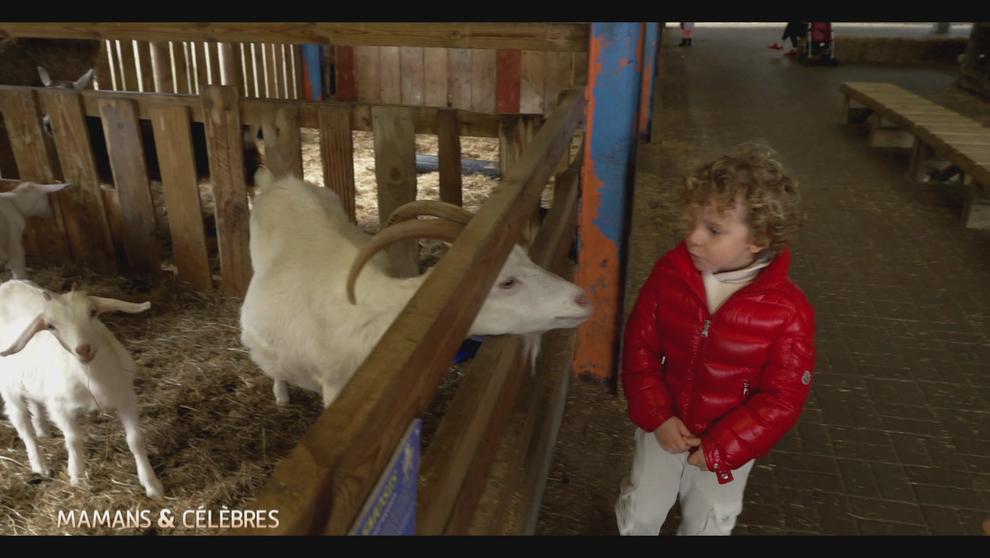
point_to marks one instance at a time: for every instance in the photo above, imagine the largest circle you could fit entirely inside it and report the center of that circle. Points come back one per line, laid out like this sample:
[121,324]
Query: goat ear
[113,305]
[83,81]
[46,80]
[35,326]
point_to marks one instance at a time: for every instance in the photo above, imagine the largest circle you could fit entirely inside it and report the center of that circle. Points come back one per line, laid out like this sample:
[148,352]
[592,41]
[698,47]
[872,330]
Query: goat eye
[51,327]
[92,312]
[508,283]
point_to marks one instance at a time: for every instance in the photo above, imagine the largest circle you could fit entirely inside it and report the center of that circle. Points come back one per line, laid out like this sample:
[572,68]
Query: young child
[687,33]
[719,349]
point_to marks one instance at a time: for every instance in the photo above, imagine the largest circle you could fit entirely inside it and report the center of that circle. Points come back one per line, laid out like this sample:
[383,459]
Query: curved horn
[435,208]
[434,229]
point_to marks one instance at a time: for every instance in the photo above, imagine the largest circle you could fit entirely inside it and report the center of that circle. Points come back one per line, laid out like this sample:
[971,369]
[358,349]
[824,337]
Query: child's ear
[756,248]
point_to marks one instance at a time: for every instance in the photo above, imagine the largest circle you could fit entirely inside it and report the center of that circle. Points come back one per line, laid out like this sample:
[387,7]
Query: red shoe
[791,52]
[776,46]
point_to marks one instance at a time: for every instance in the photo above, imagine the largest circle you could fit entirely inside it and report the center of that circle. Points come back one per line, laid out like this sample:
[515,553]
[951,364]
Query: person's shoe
[683,42]
[689,42]
[776,46]
[792,52]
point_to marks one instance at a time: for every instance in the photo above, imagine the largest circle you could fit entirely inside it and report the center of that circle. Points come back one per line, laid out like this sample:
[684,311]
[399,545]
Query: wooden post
[508,63]
[221,110]
[395,169]
[449,153]
[201,57]
[185,215]
[283,145]
[84,215]
[337,151]
[130,174]
[607,180]
[33,153]
[367,64]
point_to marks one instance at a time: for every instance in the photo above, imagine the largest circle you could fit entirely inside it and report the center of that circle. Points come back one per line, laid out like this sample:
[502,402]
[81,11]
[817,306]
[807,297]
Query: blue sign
[391,508]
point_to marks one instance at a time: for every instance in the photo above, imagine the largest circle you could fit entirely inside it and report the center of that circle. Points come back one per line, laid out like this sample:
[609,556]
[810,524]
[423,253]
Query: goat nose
[582,300]
[84,350]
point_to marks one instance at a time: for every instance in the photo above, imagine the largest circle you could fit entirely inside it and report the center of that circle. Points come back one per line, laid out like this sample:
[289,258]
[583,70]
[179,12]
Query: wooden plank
[532,82]
[472,422]
[299,81]
[483,80]
[449,153]
[557,78]
[223,134]
[508,64]
[120,126]
[35,159]
[181,75]
[213,56]
[337,152]
[247,69]
[522,35]
[283,144]
[230,66]
[201,59]
[391,88]
[395,170]
[161,68]
[411,75]
[339,460]
[459,78]
[8,166]
[104,74]
[127,64]
[146,77]
[84,216]
[367,61]
[515,133]
[278,65]
[173,140]
[346,78]
[435,76]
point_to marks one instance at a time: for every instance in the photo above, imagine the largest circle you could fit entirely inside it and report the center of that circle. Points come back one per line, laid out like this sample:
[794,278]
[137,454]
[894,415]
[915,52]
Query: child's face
[721,241]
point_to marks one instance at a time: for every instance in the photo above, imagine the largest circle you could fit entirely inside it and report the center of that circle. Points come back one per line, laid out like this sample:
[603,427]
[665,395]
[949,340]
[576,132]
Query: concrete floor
[895,438]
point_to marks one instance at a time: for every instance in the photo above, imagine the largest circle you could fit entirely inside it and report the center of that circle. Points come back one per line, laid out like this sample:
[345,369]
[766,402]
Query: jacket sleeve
[751,430]
[650,403]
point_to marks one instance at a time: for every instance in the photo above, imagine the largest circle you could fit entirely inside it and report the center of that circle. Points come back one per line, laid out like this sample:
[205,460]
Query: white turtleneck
[720,286]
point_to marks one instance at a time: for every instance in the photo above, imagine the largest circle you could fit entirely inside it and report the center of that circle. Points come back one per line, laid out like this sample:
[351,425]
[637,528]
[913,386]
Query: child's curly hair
[755,175]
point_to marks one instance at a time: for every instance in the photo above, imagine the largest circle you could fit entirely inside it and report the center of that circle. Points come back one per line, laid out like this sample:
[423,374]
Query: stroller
[819,45]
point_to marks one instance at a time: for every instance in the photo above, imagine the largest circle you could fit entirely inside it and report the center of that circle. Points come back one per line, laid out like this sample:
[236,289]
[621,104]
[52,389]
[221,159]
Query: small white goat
[27,200]
[61,359]
[297,321]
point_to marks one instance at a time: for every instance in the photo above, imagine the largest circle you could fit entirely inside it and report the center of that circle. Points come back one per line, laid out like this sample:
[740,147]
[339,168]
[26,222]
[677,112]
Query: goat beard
[531,349]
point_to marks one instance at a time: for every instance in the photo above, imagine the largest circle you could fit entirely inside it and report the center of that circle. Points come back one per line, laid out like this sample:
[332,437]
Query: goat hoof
[154,489]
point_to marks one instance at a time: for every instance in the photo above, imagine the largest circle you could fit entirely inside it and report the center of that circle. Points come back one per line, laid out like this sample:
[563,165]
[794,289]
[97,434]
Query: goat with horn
[322,296]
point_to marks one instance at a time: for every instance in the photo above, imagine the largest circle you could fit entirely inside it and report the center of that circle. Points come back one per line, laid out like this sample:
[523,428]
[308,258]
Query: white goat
[63,360]
[296,320]
[27,200]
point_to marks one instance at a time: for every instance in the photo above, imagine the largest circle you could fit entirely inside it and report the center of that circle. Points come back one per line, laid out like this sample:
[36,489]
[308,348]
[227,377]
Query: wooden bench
[943,143]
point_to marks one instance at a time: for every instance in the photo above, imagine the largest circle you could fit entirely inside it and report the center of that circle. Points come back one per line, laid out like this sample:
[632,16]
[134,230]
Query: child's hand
[697,458]
[674,437]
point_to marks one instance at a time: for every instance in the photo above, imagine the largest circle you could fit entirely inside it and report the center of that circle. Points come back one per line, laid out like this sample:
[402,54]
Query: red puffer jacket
[737,378]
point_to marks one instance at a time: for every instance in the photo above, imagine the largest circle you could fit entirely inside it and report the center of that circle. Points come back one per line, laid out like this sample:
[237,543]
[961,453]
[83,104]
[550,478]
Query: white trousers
[659,478]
